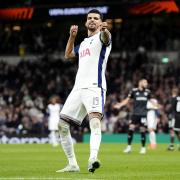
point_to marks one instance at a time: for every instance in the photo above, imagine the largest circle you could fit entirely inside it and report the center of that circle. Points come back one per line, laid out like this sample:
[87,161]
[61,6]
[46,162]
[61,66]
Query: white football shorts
[81,102]
[151,119]
[53,123]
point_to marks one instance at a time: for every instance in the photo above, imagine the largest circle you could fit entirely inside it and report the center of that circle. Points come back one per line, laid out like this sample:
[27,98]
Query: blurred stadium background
[33,35]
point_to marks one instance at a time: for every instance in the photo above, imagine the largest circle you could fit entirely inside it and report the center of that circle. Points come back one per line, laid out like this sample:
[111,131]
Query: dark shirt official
[176,105]
[140,98]
[176,112]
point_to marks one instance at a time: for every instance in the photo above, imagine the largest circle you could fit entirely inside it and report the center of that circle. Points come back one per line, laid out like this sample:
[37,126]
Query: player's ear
[86,24]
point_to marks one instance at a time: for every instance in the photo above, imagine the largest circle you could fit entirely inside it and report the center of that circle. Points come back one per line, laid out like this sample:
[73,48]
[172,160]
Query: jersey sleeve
[48,109]
[173,104]
[76,50]
[149,94]
[131,94]
[110,40]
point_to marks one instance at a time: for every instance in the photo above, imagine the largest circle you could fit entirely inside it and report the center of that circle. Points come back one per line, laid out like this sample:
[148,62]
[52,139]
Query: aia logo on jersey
[85,52]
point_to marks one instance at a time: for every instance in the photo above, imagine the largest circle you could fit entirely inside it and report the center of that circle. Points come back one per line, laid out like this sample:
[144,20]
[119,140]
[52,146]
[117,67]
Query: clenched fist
[104,26]
[73,30]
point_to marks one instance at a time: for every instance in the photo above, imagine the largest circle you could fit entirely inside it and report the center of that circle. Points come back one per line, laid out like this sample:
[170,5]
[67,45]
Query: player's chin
[92,29]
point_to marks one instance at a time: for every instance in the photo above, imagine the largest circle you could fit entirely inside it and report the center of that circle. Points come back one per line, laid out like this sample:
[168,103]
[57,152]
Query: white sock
[95,137]
[152,137]
[67,144]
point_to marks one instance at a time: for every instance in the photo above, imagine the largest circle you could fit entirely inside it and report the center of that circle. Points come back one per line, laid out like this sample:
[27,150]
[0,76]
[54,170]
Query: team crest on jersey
[137,93]
[91,41]
[145,93]
[85,52]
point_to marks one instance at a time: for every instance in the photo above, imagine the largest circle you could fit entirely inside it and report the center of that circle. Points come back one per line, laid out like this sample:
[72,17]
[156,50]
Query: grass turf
[40,161]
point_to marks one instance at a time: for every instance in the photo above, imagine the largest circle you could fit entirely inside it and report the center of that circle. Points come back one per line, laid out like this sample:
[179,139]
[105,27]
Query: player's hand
[117,106]
[73,30]
[104,26]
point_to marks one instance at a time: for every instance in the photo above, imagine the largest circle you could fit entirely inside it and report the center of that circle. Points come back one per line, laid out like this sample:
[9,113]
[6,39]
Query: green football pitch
[40,161]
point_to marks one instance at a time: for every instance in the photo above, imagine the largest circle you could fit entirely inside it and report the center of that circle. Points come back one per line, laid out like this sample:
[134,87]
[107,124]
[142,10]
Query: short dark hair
[96,12]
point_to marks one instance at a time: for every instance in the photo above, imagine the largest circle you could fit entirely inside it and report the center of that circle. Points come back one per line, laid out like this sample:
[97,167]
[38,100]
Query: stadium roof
[47,9]
[22,3]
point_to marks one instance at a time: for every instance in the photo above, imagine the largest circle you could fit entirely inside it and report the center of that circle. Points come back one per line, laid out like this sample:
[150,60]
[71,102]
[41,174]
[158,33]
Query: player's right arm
[125,101]
[122,103]
[69,51]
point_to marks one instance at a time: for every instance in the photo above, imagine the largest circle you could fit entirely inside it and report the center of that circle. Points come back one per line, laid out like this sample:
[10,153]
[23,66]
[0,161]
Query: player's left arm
[48,110]
[105,35]
[173,103]
[155,104]
[153,101]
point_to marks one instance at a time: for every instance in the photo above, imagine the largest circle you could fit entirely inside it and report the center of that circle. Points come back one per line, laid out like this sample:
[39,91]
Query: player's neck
[92,33]
[141,89]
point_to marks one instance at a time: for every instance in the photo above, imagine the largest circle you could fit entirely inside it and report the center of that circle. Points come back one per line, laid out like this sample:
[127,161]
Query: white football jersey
[93,56]
[150,105]
[54,110]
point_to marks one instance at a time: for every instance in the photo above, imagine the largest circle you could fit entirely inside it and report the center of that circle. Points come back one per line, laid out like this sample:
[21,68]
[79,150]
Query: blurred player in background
[54,108]
[171,121]
[171,131]
[152,120]
[140,97]
[88,93]
[175,122]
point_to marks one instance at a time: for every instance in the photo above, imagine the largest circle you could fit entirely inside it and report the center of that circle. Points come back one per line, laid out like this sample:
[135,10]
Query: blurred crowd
[154,34]
[25,90]
[26,87]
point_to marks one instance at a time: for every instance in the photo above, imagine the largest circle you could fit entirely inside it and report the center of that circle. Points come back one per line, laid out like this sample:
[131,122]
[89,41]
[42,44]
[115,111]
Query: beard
[92,27]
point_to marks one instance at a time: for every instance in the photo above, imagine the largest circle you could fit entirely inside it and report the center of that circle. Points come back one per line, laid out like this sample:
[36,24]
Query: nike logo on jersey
[85,52]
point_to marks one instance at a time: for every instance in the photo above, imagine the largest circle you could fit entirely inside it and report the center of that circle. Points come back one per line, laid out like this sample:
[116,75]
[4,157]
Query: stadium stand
[27,85]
